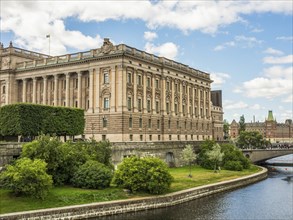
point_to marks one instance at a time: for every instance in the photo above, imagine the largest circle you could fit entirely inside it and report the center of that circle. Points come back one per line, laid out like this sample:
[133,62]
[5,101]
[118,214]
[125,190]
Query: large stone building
[270,129]
[128,94]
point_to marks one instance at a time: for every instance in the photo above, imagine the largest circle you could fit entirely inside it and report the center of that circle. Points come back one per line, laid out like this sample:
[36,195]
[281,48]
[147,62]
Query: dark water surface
[269,199]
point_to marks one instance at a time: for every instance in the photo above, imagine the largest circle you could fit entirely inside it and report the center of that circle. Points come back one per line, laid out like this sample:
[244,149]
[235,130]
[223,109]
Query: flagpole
[49,36]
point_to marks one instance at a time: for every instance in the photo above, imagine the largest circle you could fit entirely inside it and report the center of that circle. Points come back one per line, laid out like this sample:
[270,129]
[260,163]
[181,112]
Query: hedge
[32,119]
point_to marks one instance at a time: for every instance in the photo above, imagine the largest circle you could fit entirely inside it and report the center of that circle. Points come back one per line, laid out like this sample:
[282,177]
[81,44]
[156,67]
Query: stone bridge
[261,155]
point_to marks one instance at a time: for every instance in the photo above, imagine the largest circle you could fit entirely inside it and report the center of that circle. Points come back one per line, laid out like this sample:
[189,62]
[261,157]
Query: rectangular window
[104,122]
[149,82]
[177,124]
[106,78]
[176,87]
[129,80]
[150,137]
[129,103]
[141,137]
[139,81]
[150,123]
[75,83]
[183,109]
[139,104]
[167,108]
[157,106]
[190,125]
[103,137]
[169,124]
[191,137]
[157,83]
[130,122]
[158,124]
[176,108]
[130,137]
[170,137]
[106,103]
[149,105]
[185,123]
[140,122]
[159,137]
[167,86]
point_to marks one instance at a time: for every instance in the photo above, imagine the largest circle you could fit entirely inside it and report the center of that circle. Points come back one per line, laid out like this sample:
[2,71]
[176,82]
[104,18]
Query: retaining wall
[133,205]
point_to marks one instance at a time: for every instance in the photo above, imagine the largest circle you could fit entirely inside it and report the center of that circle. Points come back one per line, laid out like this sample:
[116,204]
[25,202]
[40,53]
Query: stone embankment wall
[133,205]
[8,152]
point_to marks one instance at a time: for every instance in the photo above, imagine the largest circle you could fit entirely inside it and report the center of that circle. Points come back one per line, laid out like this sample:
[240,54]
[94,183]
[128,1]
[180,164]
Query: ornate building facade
[127,94]
[270,129]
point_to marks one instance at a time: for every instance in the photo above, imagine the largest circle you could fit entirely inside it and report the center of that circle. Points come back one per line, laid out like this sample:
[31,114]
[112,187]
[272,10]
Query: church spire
[270,116]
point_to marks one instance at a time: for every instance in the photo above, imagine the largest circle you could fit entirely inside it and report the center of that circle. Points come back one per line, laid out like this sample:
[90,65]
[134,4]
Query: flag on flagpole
[48,35]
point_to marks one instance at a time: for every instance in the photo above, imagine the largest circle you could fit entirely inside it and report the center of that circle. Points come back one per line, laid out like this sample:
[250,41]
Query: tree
[241,124]
[216,156]
[27,177]
[226,129]
[251,139]
[188,156]
[92,175]
[148,174]
[202,158]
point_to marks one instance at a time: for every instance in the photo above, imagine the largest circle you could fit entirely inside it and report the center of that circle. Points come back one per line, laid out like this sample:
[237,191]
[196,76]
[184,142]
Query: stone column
[124,89]
[24,81]
[134,98]
[172,104]
[204,103]
[187,100]
[163,96]
[198,102]
[67,92]
[192,113]
[144,104]
[180,87]
[79,95]
[113,88]
[91,90]
[55,90]
[98,75]
[34,89]
[153,109]
[45,90]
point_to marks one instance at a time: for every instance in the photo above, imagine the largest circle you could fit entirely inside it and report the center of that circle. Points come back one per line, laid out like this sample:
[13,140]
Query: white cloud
[149,36]
[285,38]
[273,51]
[219,78]
[168,50]
[279,60]
[257,30]
[239,41]
[288,99]
[228,104]
[256,107]
[30,21]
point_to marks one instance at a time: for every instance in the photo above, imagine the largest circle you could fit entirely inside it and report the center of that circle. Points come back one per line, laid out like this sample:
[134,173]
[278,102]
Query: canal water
[270,199]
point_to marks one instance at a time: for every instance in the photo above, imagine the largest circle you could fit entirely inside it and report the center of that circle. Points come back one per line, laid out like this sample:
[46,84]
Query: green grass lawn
[66,195]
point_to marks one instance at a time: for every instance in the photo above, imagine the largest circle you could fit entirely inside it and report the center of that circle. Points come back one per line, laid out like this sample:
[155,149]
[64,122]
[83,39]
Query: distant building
[270,129]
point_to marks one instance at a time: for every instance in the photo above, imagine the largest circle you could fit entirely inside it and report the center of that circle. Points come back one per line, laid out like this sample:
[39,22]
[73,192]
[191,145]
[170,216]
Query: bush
[27,177]
[92,175]
[149,175]
[233,165]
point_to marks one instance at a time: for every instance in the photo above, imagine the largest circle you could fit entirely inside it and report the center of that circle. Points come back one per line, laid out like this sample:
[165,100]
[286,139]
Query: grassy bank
[64,196]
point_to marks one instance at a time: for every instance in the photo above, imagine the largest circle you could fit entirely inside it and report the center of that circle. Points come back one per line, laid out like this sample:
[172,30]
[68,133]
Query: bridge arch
[261,155]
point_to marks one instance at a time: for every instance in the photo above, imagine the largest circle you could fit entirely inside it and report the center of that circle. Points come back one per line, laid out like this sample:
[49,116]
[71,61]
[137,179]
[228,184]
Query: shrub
[233,165]
[92,175]
[27,177]
[143,174]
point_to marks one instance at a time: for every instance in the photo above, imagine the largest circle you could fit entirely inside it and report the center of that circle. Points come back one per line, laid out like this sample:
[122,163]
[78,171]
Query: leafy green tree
[188,156]
[27,177]
[99,151]
[226,129]
[241,124]
[216,156]
[143,174]
[251,139]
[92,175]
[233,158]
[202,158]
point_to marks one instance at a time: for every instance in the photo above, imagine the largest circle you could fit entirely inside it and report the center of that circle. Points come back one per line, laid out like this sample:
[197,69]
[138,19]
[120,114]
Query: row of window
[150,137]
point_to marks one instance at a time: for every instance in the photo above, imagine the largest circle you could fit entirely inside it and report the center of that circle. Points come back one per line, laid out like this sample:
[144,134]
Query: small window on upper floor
[106,78]
[129,78]
[3,89]
[149,82]
[139,80]
[157,83]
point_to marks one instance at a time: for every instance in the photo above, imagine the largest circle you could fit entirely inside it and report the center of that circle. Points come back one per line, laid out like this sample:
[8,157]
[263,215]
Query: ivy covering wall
[31,120]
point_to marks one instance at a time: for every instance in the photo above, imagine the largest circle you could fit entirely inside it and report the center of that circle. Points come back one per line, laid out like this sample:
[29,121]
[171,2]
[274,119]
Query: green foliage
[231,153]
[64,159]
[251,139]
[143,174]
[216,156]
[188,156]
[226,129]
[31,119]
[203,159]
[92,175]
[233,165]
[27,177]
[241,124]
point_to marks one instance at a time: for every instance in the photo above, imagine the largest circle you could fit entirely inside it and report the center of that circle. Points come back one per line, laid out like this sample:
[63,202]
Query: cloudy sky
[246,46]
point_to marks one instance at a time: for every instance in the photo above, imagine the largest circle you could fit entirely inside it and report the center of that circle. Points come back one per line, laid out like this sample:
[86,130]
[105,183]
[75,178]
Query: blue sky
[246,46]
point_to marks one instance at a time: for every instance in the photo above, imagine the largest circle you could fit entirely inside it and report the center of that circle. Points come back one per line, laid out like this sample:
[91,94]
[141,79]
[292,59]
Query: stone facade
[128,94]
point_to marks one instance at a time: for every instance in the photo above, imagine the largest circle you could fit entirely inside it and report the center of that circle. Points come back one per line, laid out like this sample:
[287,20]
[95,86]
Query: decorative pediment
[105,92]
